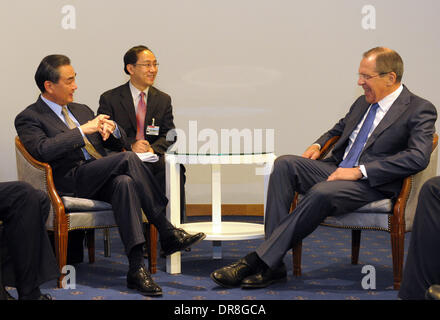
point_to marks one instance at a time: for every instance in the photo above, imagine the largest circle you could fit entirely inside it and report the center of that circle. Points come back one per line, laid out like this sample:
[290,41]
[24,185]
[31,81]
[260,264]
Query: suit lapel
[358,113]
[80,116]
[397,108]
[57,122]
[151,105]
[128,104]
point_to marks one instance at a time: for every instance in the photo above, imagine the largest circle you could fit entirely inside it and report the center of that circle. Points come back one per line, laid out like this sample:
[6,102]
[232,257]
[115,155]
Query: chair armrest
[328,146]
[406,203]
[44,183]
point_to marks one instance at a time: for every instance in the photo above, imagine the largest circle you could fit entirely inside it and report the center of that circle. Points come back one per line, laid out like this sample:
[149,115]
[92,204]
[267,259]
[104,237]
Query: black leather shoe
[265,278]
[41,296]
[433,292]
[45,296]
[141,281]
[179,241]
[8,296]
[232,275]
[5,295]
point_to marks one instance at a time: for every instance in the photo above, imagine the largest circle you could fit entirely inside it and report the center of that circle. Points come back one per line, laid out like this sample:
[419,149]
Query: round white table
[216,230]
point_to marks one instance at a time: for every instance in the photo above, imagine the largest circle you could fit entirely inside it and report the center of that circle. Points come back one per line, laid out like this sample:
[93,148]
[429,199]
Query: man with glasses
[386,136]
[144,112]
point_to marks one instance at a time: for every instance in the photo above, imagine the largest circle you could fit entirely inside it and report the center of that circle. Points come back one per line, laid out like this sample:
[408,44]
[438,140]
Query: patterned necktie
[140,117]
[71,124]
[356,149]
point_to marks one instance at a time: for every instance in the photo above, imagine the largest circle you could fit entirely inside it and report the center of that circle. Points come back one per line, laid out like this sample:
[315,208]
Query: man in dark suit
[422,267]
[29,261]
[146,120]
[386,135]
[71,139]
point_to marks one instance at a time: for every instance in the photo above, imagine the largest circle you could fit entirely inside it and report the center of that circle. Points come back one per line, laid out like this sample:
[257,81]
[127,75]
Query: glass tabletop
[178,153]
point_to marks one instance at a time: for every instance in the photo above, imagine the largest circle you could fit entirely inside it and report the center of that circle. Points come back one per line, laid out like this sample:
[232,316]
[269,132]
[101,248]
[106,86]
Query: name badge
[152,130]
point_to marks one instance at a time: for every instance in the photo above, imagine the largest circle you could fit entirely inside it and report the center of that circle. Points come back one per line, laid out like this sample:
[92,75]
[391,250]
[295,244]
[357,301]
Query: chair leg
[355,245]
[151,237]
[90,238]
[61,240]
[397,248]
[296,255]
[107,243]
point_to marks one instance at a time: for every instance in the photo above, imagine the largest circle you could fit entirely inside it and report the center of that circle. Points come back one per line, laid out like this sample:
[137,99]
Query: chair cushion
[72,204]
[359,220]
[374,215]
[91,219]
[380,206]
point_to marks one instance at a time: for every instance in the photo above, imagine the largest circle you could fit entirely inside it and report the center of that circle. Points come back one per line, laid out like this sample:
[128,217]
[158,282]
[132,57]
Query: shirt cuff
[317,144]
[116,133]
[364,172]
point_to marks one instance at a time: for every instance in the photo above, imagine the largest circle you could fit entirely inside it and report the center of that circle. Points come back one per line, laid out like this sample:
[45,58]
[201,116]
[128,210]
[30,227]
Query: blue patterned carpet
[327,271]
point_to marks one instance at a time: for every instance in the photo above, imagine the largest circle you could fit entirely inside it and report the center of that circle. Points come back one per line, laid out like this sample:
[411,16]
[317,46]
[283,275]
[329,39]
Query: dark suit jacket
[399,146]
[48,139]
[118,104]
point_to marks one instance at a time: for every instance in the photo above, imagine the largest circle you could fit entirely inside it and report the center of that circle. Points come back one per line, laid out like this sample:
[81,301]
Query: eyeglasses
[148,65]
[368,77]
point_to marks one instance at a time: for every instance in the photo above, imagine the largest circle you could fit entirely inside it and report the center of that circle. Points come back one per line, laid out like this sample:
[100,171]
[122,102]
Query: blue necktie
[356,149]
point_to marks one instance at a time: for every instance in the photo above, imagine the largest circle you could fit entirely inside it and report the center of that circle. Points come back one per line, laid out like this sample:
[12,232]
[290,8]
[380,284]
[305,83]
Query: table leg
[216,195]
[216,249]
[173,209]
[267,172]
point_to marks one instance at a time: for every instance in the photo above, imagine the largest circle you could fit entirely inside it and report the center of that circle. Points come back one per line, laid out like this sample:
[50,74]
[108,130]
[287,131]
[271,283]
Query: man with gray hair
[386,136]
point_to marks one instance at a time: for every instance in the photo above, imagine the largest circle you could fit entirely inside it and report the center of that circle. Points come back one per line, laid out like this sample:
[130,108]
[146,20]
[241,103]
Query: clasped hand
[101,124]
[313,153]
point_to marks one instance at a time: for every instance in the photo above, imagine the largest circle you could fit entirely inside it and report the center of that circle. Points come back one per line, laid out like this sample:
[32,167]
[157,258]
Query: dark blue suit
[120,179]
[399,146]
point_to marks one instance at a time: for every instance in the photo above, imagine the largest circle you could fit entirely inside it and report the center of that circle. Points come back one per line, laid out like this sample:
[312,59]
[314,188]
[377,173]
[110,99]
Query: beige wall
[284,65]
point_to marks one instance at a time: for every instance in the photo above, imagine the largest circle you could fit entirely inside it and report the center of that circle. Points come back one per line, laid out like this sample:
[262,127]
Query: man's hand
[106,128]
[94,125]
[345,174]
[312,152]
[141,146]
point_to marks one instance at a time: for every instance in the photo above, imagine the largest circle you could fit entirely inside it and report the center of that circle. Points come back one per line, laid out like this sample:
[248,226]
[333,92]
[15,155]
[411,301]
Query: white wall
[284,65]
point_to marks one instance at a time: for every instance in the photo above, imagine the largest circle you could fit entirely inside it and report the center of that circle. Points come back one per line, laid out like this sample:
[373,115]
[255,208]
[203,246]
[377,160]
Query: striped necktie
[140,117]
[88,146]
[356,149]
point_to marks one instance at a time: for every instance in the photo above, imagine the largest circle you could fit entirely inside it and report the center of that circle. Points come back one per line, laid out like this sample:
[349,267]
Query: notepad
[148,157]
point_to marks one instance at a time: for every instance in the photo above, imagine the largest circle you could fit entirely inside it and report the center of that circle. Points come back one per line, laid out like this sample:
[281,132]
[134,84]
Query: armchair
[382,215]
[70,213]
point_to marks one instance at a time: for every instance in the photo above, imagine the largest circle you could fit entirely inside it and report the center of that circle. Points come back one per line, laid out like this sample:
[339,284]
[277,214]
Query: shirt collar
[135,92]
[54,106]
[386,103]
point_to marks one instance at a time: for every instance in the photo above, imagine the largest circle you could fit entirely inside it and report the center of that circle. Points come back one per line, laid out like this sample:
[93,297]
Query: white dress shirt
[135,93]
[384,105]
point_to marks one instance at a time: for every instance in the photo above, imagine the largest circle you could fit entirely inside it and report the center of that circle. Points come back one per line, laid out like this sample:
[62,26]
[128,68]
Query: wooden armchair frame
[61,219]
[397,223]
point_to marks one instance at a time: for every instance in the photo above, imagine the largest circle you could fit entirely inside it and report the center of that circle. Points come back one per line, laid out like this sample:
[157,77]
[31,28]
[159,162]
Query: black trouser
[30,260]
[321,198]
[422,267]
[158,169]
[122,180]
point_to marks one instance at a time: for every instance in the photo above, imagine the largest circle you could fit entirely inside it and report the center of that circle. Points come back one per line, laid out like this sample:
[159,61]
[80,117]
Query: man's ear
[48,86]
[130,69]
[392,76]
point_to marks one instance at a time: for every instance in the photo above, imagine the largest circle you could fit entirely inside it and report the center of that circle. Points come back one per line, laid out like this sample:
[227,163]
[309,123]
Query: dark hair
[131,56]
[48,69]
[387,60]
